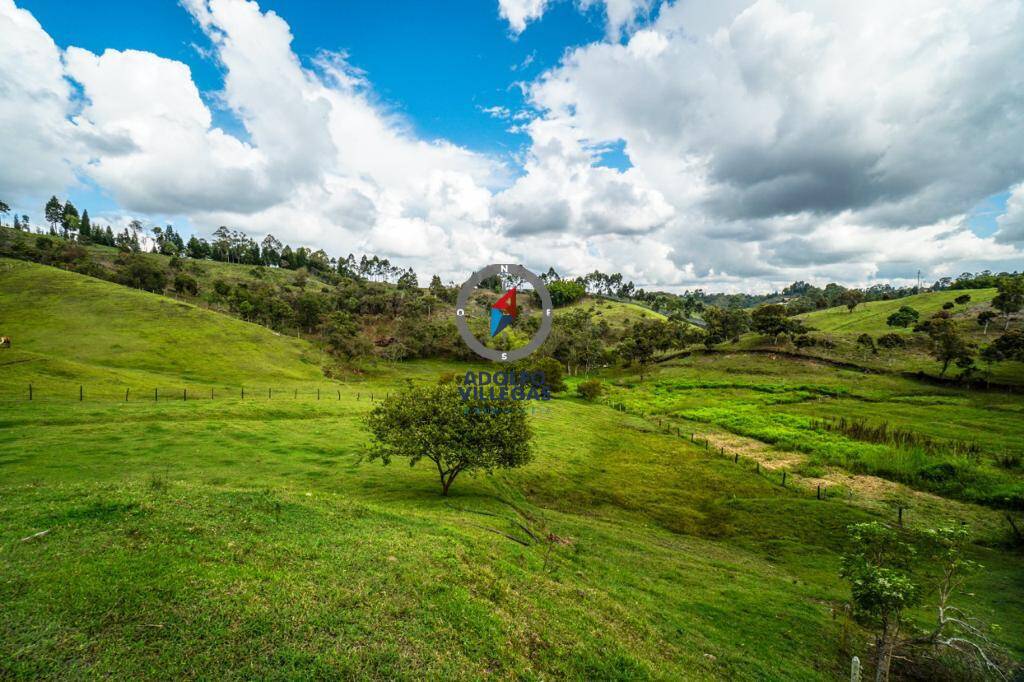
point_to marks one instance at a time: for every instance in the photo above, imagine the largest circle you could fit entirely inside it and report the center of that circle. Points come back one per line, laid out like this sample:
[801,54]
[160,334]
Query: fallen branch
[37,535]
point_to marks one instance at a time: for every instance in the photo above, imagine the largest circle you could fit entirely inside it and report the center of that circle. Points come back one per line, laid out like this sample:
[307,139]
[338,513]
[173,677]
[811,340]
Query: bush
[565,292]
[939,473]
[554,375]
[221,287]
[904,317]
[804,341]
[867,342]
[891,340]
[963,299]
[139,272]
[590,389]
[948,305]
[186,284]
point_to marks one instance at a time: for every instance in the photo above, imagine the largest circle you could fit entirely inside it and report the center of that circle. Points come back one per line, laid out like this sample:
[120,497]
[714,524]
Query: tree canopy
[436,424]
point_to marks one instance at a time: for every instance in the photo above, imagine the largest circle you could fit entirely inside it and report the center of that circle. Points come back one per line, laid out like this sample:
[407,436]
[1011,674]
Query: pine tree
[54,213]
[85,227]
[69,219]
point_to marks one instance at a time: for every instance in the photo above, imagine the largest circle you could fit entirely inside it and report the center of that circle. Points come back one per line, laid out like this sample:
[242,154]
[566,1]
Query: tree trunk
[882,655]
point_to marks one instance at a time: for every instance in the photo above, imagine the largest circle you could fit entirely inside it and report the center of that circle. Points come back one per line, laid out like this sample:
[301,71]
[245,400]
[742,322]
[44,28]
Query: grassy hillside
[205,271]
[870,317]
[616,313]
[251,538]
[65,325]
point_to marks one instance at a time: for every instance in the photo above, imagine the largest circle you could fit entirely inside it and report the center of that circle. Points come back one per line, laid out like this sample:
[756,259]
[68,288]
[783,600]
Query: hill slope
[870,317]
[60,319]
[252,539]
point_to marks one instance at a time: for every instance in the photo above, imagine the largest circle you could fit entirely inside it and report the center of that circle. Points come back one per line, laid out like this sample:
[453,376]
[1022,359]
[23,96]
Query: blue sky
[440,66]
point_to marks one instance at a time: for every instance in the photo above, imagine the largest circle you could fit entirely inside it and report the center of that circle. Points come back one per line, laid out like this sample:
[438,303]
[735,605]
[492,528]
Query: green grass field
[870,317]
[251,539]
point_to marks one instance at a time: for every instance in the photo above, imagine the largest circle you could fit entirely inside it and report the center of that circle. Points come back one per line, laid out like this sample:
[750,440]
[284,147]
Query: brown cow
[5,342]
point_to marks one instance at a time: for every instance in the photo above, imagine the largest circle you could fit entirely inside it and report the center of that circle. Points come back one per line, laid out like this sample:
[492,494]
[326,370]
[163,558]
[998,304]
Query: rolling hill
[252,537]
[117,335]
[870,317]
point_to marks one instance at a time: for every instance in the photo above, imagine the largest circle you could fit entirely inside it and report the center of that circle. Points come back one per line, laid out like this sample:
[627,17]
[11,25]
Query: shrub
[1008,460]
[590,389]
[554,375]
[891,340]
[140,272]
[221,287]
[804,341]
[948,305]
[939,473]
[564,292]
[867,342]
[904,317]
[186,284]
[963,299]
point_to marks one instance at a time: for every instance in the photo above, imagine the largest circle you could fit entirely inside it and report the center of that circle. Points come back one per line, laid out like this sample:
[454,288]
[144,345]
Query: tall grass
[861,429]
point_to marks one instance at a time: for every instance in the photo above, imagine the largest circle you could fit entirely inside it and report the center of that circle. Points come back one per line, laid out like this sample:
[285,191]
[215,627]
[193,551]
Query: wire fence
[84,393]
[796,484]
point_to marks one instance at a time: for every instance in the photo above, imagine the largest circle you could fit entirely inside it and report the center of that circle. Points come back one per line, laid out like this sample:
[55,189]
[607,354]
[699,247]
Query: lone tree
[877,565]
[949,345]
[891,570]
[1010,298]
[772,321]
[54,212]
[904,317]
[985,318]
[435,423]
[851,298]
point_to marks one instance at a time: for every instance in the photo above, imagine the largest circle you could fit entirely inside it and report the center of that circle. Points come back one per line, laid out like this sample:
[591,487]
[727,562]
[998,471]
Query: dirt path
[921,509]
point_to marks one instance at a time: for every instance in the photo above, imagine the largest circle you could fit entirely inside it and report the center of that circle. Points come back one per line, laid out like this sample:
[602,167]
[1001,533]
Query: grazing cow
[5,342]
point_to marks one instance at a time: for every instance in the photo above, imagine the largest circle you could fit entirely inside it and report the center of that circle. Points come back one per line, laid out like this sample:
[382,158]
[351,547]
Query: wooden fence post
[819,491]
[184,394]
[81,393]
[269,393]
[783,479]
[156,395]
[211,394]
[900,516]
[30,391]
[736,458]
[318,393]
[126,394]
[758,467]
